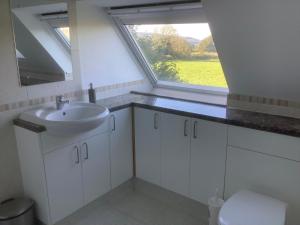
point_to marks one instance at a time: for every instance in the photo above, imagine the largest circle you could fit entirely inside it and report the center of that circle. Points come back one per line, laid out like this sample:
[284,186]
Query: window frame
[137,52]
[61,37]
[56,21]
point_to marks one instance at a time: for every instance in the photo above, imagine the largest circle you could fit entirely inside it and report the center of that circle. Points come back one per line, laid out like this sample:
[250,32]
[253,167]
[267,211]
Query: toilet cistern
[249,208]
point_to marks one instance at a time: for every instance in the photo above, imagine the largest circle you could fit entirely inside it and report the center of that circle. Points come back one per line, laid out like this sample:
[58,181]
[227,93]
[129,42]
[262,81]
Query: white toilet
[249,208]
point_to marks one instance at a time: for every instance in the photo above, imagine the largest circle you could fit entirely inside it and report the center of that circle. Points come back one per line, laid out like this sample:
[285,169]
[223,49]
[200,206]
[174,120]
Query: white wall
[10,91]
[258,43]
[104,56]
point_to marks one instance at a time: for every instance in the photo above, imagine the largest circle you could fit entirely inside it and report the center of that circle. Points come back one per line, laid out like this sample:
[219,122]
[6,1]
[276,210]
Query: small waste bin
[17,211]
[214,204]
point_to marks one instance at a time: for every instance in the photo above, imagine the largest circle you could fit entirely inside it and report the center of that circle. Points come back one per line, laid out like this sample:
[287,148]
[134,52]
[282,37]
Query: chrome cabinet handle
[86,151]
[114,122]
[77,161]
[195,129]
[156,121]
[185,128]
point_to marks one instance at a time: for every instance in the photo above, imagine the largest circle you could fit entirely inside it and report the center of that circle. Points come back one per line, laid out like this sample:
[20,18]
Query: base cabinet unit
[95,166]
[208,156]
[121,146]
[188,154]
[147,145]
[175,148]
[267,163]
[64,173]
[77,175]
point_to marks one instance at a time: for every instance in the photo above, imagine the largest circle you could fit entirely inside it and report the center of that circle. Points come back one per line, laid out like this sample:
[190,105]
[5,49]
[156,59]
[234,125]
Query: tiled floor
[140,203]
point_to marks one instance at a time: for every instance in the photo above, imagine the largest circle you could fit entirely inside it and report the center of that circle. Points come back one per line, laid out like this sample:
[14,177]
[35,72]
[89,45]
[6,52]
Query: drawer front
[265,142]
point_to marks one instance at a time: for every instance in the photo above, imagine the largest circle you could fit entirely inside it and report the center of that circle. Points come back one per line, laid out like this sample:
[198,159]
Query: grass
[207,73]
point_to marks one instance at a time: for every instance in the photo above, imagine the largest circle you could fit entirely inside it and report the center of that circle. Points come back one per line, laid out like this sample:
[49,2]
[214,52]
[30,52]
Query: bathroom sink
[71,119]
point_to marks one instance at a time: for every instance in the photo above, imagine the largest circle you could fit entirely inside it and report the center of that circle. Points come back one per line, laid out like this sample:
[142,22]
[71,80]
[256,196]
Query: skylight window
[174,45]
[64,34]
[181,53]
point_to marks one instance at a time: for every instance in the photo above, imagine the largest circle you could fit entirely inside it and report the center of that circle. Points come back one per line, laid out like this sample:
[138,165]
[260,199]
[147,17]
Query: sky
[198,31]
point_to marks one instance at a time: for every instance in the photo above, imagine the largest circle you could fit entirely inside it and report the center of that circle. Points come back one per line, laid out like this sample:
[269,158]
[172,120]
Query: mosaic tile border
[264,100]
[264,105]
[75,95]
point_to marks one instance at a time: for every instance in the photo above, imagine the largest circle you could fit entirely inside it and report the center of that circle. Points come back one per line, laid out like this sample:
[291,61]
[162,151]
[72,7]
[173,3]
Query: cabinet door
[147,145]
[175,145]
[95,166]
[121,147]
[208,156]
[63,174]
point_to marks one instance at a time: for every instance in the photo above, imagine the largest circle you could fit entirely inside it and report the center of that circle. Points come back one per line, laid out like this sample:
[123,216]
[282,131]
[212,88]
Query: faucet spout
[60,102]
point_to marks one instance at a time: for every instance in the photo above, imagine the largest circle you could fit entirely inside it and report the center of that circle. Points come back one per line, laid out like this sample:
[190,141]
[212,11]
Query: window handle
[195,129]
[186,128]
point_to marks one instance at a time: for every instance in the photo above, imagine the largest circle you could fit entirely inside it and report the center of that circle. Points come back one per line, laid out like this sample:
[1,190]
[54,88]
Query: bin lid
[14,207]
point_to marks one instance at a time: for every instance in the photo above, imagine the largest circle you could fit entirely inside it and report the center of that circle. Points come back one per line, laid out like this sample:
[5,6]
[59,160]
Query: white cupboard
[75,174]
[63,174]
[147,145]
[208,156]
[121,146]
[95,166]
[175,148]
[267,163]
[189,155]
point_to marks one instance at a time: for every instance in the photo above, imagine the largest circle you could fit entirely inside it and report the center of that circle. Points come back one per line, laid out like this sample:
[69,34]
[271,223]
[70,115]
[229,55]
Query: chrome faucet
[60,102]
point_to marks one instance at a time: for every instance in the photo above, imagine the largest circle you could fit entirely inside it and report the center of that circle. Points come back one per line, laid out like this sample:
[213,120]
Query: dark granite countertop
[216,113]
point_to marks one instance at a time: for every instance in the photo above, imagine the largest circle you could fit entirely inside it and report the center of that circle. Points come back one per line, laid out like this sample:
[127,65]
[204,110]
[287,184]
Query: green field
[208,73]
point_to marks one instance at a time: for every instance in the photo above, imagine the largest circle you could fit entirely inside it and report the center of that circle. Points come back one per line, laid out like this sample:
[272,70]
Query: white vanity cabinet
[77,175]
[121,146]
[64,173]
[188,154]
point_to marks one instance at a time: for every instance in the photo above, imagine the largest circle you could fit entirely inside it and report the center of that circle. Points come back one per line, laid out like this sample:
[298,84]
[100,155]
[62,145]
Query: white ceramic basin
[73,118]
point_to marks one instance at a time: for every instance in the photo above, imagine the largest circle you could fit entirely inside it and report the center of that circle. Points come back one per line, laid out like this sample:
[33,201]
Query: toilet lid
[248,208]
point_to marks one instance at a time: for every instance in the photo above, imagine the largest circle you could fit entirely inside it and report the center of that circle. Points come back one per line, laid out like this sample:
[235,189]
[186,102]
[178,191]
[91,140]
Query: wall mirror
[42,41]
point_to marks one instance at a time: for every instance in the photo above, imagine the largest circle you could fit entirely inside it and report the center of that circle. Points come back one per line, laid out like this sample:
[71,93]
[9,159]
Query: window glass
[64,32]
[183,53]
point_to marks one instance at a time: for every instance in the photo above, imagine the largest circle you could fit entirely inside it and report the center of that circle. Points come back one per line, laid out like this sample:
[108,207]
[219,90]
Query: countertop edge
[36,128]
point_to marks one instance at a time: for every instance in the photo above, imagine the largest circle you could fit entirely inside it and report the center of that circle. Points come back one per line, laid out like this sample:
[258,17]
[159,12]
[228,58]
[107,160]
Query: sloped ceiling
[258,43]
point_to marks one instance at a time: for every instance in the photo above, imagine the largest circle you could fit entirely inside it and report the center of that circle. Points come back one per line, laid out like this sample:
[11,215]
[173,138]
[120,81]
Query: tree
[158,50]
[180,48]
[166,70]
[205,45]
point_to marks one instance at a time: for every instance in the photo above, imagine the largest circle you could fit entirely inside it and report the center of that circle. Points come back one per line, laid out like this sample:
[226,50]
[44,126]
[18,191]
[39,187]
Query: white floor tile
[143,204]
